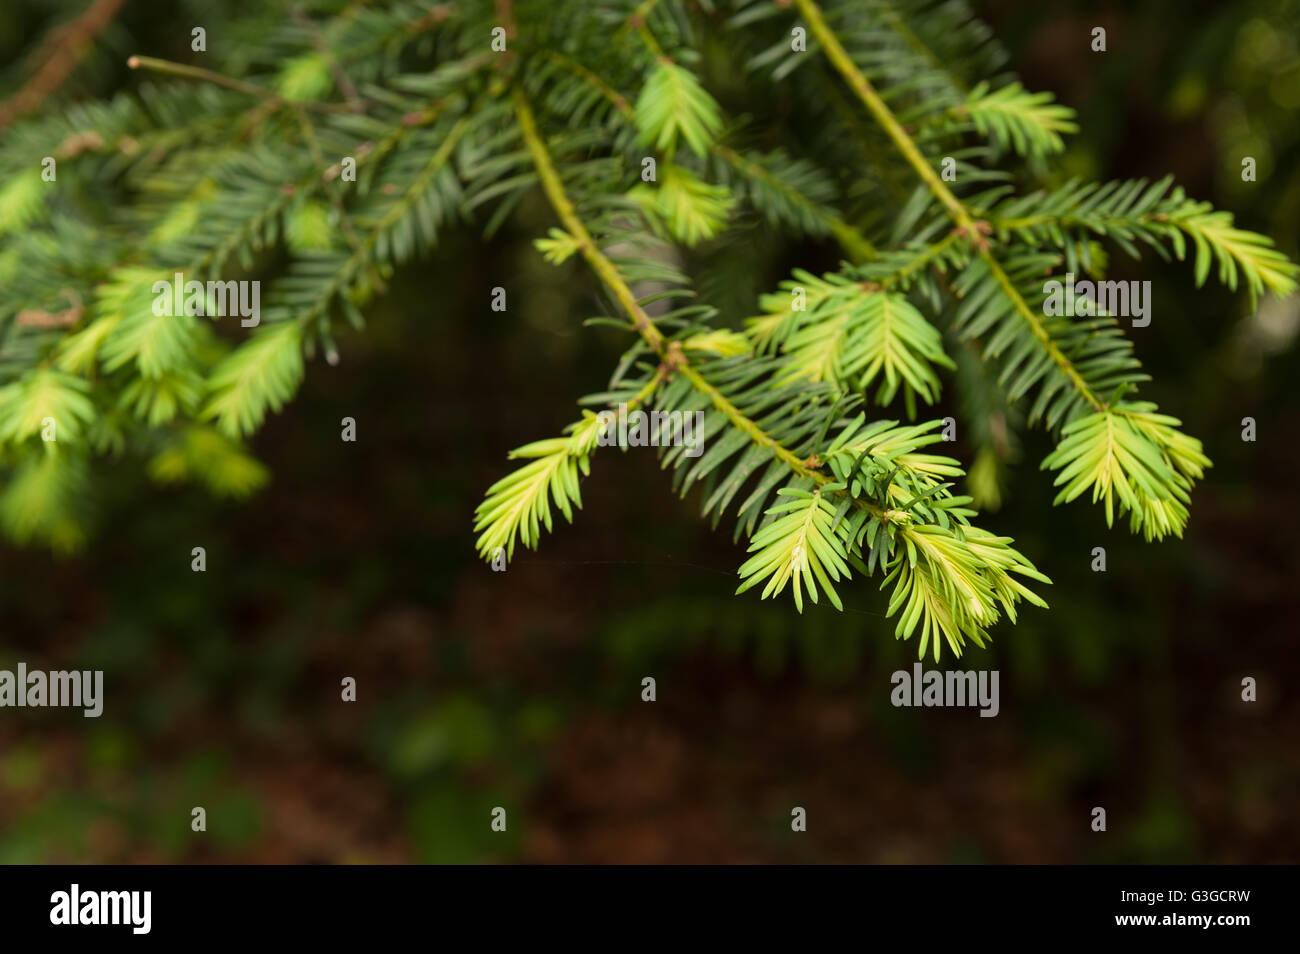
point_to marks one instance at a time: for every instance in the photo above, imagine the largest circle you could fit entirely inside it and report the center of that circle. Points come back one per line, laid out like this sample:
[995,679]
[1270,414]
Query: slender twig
[506,17]
[67,45]
[925,258]
[208,76]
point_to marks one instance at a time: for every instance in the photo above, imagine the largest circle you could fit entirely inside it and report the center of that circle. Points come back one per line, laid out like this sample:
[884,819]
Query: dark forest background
[522,689]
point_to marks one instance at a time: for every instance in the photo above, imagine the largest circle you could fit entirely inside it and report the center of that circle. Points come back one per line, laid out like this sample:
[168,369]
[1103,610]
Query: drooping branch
[614,281]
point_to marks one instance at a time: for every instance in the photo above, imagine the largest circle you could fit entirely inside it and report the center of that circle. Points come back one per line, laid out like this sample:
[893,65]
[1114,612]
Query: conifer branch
[613,96]
[273,98]
[609,275]
[851,240]
[227,170]
[883,115]
[560,202]
[965,223]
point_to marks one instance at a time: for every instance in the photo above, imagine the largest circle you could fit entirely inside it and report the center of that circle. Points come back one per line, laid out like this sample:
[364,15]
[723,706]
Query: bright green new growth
[851,335]
[517,505]
[672,104]
[804,440]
